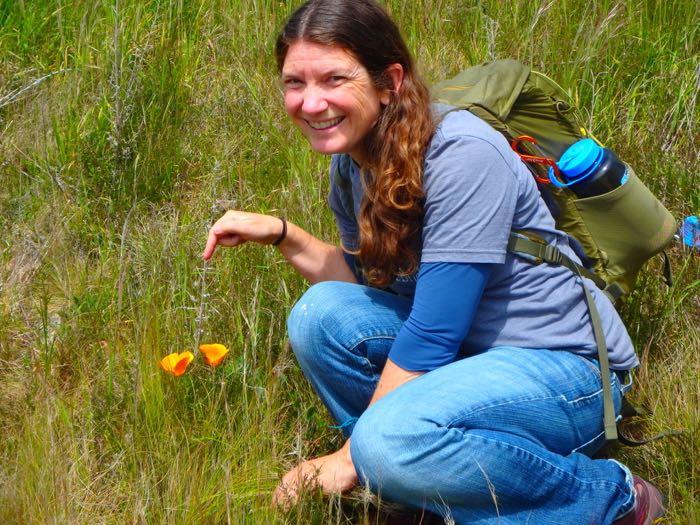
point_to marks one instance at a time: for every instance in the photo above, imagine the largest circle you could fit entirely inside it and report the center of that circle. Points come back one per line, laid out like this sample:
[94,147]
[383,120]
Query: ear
[395,72]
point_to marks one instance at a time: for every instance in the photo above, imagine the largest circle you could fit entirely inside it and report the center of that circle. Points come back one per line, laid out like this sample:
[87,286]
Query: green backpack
[617,231]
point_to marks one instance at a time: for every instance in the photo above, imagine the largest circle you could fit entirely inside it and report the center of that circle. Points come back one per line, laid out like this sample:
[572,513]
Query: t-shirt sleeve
[446,299]
[470,196]
[339,200]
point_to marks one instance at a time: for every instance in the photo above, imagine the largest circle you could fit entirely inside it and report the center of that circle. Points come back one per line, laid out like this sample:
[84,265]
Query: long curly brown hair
[391,212]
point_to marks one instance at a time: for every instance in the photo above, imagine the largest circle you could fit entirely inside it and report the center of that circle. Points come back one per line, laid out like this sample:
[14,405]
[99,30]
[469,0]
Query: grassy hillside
[126,125]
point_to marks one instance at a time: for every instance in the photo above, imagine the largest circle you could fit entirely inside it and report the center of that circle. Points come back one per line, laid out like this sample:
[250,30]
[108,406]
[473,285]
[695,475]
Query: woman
[463,377]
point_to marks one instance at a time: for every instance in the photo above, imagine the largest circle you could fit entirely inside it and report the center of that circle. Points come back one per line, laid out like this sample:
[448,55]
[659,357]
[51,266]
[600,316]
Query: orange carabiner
[526,157]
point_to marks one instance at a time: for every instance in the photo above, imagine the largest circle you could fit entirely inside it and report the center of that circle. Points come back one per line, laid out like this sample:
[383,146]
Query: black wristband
[283,235]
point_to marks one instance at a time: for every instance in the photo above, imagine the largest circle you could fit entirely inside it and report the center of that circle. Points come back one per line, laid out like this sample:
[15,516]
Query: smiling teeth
[325,123]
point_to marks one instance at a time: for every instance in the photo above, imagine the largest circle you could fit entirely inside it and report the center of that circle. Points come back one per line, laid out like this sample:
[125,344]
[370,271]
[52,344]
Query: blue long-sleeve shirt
[446,299]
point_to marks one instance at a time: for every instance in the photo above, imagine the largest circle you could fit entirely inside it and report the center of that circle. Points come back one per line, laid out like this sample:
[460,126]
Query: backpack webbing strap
[668,273]
[547,253]
[614,291]
[543,252]
[528,243]
[629,442]
[608,406]
[628,411]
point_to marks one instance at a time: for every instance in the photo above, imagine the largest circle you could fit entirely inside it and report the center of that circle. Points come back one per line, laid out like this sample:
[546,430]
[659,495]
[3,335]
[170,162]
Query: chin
[326,148]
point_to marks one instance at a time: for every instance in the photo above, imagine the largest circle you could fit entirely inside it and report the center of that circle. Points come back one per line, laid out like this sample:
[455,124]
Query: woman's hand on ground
[332,473]
[236,227]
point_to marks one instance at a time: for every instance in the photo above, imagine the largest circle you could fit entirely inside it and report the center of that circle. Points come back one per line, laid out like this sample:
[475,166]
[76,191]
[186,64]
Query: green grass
[159,110]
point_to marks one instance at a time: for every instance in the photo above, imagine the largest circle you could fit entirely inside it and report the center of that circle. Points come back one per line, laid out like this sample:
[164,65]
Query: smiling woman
[446,360]
[331,97]
[373,85]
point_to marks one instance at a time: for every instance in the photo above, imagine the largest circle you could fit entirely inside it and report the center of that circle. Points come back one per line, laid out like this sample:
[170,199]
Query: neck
[359,153]
[359,157]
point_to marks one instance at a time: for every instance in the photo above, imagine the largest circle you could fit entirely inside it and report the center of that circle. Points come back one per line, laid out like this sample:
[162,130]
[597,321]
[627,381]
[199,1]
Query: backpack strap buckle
[528,245]
[552,255]
[537,249]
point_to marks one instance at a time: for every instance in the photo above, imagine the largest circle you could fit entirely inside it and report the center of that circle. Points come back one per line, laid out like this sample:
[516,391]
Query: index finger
[211,245]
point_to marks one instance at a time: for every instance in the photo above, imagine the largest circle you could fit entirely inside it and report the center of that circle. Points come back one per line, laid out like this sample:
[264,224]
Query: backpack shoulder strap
[526,243]
[522,242]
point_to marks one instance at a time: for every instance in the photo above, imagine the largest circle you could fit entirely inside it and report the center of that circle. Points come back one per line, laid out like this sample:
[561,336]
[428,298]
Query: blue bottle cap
[580,160]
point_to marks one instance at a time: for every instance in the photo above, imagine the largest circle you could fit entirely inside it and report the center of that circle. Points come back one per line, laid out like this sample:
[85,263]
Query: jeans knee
[381,453]
[401,458]
[397,451]
[368,451]
[312,316]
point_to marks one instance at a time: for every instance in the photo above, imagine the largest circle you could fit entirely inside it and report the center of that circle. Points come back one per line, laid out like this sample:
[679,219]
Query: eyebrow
[346,72]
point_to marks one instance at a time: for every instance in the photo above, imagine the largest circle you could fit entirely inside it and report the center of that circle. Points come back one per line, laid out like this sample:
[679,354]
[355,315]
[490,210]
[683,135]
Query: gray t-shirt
[476,191]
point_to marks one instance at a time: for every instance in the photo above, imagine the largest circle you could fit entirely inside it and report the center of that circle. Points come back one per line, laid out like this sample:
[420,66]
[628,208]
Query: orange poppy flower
[213,353]
[176,364]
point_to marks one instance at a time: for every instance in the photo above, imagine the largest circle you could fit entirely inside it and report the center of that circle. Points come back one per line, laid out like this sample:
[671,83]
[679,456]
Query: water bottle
[690,232]
[588,169]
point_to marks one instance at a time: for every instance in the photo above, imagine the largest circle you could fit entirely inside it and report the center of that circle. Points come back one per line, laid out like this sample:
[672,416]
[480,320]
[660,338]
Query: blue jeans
[502,436]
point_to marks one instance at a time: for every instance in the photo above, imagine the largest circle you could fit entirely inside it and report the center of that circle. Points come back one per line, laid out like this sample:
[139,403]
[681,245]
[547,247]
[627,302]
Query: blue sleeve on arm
[445,301]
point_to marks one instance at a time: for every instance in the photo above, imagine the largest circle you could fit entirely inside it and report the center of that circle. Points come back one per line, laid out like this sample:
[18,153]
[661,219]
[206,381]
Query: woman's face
[330,96]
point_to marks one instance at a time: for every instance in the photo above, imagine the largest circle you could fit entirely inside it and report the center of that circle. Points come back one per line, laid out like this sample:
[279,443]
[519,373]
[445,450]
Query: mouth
[321,125]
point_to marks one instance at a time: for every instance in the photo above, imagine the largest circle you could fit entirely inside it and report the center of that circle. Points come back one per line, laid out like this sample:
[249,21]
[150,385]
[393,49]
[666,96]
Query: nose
[314,100]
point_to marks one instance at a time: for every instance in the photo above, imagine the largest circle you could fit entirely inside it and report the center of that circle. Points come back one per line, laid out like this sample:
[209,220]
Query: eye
[336,80]
[292,83]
